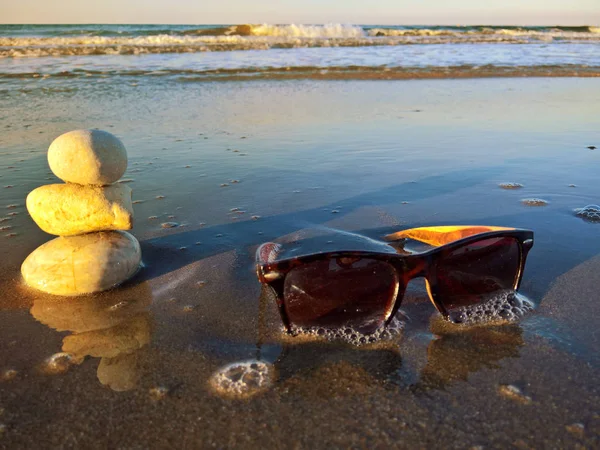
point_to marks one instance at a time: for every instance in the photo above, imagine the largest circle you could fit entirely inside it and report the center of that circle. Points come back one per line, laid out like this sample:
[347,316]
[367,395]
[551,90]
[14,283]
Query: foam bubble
[512,392]
[589,213]
[158,392]
[577,429]
[534,202]
[57,363]
[503,306]
[169,225]
[510,185]
[8,375]
[351,335]
[243,379]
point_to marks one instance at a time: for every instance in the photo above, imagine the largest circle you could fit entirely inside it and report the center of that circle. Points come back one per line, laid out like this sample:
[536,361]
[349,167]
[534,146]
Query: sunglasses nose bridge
[412,268]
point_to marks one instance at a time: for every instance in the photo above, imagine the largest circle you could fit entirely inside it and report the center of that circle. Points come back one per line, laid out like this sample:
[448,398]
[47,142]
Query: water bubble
[577,429]
[351,335]
[255,217]
[201,283]
[534,202]
[152,217]
[5,219]
[135,202]
[510,185]
[589,213]
[6,228]
[9,235]
[188,308]
[126,180]
[11,206]
[501,306]
[334,211]
[198,243]
[234,209]
[234,181]
[158,392]
[243,379]
[224,185]
[13,214]
[160,197]
[512,392]
[118,306]
[57,363]
[169,225]
[8,374]
[170,217]
[182,248]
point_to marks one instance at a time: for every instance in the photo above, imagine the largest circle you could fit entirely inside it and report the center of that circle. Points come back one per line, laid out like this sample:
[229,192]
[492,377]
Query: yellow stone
[88,157]
[71,209]
[83,264]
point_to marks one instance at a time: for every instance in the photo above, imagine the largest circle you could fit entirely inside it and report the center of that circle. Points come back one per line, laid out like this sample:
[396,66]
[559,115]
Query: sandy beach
[235,164]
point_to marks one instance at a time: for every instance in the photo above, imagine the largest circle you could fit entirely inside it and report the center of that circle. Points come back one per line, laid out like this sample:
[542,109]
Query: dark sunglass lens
[472,273]
[339,292]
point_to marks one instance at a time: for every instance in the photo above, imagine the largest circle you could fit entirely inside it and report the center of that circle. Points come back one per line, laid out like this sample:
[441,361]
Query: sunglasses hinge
[528,243]
[269,276]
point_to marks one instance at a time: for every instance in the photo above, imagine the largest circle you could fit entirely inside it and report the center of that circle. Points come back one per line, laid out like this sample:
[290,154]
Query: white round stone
[88,157]
[83,264]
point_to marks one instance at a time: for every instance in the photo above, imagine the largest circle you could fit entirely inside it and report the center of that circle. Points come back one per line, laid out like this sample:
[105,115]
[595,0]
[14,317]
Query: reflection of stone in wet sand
[103,327]
[454,355]
[119,373]
[87,313]
[111,342]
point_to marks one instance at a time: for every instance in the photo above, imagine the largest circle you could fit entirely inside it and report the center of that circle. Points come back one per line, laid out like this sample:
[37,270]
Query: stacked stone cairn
[88,213]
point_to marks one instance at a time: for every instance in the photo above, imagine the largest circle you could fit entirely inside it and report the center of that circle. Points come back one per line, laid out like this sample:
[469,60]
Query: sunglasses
[362,290]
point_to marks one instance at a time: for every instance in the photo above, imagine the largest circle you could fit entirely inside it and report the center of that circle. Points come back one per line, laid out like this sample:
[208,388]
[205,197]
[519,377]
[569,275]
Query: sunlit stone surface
[88,157]
[71,209]
[83,264]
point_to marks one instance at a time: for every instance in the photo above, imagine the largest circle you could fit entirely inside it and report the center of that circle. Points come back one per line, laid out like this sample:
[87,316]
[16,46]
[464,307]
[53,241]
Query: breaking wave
[33,41]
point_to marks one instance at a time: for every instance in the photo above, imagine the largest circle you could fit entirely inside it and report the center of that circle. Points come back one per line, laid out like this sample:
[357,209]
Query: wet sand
[310,164]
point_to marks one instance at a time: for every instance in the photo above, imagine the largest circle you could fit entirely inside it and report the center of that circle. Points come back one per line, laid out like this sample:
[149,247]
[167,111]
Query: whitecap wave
[265,36]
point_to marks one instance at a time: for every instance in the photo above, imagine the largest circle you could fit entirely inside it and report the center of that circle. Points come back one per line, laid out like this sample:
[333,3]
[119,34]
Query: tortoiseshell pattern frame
[272,273]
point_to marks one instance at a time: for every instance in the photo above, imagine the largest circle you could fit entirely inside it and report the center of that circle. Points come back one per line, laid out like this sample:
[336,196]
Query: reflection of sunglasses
[363,289]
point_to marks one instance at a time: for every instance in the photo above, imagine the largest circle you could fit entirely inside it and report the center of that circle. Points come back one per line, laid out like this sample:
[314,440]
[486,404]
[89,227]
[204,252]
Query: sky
[399,12]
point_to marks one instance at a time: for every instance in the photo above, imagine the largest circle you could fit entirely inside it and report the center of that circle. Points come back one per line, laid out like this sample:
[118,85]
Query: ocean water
[303,135]
[222,52]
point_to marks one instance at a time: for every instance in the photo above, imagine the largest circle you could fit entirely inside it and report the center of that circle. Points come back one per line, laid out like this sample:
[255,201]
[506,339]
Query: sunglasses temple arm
[441,235]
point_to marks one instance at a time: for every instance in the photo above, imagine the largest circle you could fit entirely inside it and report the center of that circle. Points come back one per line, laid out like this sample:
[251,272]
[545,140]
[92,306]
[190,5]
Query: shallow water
[309,161]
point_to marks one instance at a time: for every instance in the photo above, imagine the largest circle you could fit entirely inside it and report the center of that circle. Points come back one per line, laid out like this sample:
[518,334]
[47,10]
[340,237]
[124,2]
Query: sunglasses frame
[272,273]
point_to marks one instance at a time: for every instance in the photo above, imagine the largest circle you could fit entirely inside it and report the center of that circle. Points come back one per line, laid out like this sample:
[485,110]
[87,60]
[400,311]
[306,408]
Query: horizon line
[302,23]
